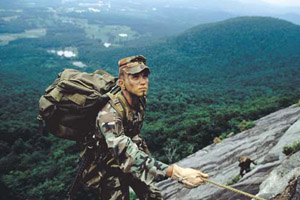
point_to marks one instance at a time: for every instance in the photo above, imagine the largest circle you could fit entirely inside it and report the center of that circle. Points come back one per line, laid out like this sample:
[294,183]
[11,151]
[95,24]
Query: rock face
[281,176]
[292,192]
[263,143]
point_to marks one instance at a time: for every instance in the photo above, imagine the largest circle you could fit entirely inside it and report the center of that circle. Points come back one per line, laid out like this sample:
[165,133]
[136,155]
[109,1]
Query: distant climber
[244,164]
[217,140]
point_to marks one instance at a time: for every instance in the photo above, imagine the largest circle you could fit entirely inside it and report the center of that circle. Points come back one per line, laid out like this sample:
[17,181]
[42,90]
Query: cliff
[264,144]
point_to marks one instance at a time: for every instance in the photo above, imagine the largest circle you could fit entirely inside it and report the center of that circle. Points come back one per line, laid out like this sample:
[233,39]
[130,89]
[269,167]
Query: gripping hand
[189,177]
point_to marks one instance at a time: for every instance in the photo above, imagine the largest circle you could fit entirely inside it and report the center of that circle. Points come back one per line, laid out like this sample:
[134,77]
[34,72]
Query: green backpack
[71,103]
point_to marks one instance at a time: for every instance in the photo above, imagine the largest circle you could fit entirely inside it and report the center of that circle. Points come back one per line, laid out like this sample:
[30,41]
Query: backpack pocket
[46,108]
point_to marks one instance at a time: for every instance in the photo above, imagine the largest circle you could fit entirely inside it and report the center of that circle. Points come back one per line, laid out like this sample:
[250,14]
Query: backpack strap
[117,101]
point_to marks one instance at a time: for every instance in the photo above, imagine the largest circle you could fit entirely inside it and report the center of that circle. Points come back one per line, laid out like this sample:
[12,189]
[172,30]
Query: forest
[206,82]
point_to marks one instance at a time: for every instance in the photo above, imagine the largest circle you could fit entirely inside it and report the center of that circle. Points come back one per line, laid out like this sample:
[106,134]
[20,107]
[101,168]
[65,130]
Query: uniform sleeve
[141,143]
[127,154]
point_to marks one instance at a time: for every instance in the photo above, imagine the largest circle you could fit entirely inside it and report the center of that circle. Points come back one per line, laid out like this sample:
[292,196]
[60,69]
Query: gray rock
[271,157]
[290,136]
[280,176]
[263,143]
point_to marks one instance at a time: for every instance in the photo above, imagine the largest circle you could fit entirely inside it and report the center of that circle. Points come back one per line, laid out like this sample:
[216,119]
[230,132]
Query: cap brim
[136,69]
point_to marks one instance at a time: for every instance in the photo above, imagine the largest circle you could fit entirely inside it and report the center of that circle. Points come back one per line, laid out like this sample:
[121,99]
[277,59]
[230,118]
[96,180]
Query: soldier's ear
[121,83]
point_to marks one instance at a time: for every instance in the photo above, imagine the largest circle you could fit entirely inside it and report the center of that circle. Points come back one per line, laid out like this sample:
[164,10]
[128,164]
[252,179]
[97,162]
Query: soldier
[120,157]
[244,164]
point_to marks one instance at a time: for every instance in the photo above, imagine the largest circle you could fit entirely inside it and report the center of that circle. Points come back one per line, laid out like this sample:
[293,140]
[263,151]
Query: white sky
[256,7]
[285,3]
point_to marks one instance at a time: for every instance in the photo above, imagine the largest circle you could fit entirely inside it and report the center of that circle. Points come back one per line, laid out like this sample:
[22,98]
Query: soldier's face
[137,84]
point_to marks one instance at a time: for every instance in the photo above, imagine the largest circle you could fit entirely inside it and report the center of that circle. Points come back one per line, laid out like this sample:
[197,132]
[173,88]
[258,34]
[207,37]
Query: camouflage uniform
[121,158]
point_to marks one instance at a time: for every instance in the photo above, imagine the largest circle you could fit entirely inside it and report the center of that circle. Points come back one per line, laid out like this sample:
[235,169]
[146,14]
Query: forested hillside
[209,81]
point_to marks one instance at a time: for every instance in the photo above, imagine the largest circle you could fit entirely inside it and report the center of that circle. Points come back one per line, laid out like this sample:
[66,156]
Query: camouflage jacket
[121,134]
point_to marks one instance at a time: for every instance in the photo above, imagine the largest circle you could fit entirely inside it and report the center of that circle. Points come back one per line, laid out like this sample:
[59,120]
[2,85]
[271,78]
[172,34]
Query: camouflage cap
[133,64]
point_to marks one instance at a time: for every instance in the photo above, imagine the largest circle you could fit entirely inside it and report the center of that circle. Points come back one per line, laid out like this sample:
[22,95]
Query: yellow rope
[233,189]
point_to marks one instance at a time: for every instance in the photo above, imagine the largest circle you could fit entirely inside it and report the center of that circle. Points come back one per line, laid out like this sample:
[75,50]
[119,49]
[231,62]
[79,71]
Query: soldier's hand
[189,177]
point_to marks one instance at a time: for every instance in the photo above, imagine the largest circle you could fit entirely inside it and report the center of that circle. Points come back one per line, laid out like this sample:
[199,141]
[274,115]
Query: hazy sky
[268,7]
[238,6]
[241,6]
[284,3]
[284,9]
[255,7]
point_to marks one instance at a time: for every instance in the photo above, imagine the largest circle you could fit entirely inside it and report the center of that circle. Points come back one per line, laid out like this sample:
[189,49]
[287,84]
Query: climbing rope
[233,189]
